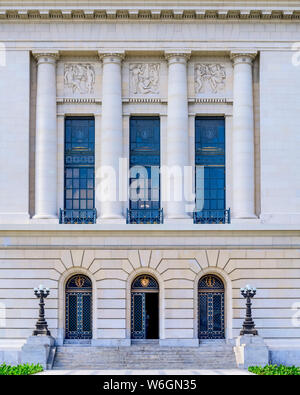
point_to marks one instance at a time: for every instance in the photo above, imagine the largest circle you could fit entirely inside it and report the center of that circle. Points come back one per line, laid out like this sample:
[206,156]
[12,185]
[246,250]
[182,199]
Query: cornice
[121,13]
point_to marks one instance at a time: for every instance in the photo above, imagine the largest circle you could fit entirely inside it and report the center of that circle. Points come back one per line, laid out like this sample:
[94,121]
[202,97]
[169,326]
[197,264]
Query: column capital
[177,55]
[46,56]
[111,56]
[240,56]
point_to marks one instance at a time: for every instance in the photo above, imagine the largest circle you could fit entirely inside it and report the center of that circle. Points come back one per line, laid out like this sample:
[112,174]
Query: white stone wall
[273,270]
[263,252]
[14,136]
[275,77]
[279,139]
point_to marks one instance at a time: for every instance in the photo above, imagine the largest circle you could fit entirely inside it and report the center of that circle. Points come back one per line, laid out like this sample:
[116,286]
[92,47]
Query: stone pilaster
[46,136]
[243,137]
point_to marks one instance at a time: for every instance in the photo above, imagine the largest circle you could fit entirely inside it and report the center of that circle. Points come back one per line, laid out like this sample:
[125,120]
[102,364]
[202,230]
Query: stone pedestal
[251,351]
[36,350]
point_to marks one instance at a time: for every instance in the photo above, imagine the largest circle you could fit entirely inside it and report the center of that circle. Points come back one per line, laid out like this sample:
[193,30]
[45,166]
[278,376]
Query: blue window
[210,170]
[79,191]
[144,193]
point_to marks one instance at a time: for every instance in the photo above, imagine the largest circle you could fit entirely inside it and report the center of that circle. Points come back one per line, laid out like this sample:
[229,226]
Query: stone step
[150,350]
[145,356]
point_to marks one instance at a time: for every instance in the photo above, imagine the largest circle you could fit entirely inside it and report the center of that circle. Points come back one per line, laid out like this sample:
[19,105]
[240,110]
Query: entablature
[149,10]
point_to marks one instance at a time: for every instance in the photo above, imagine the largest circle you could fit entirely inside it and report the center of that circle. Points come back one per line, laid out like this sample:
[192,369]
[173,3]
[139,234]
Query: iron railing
[212,217]
[78,216]
[145,216]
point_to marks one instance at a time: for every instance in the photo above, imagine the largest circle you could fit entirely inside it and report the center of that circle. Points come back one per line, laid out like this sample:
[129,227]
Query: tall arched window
[144,203]
[79,188]
[210,171]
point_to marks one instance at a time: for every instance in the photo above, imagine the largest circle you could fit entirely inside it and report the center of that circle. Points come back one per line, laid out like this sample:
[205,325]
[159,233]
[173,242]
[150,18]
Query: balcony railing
[77,216]
[212,217]
[145,216]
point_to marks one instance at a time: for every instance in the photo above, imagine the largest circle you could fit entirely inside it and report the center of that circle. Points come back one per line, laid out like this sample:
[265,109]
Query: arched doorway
[211,307]
[144,308]
[79,307]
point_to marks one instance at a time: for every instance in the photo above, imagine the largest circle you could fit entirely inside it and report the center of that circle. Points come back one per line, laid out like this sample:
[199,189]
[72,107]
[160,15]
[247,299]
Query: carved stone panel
[209,78]
[144,78]
[79,78]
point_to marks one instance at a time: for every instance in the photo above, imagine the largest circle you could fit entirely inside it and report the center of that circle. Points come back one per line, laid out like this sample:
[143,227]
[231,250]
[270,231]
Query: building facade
[149,156]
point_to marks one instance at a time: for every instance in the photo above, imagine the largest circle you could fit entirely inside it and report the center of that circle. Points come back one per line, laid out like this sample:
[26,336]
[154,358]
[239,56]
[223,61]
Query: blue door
[79,187]
[144,203]
[210,170]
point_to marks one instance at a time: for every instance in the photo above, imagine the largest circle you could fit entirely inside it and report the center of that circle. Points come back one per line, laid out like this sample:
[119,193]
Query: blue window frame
[144,194]
[79,191]
[210,170]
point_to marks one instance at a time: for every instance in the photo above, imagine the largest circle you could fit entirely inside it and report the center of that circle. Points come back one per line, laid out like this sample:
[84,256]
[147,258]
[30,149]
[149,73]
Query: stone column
[46,137]
[177,136]
[111,141]
[243,136]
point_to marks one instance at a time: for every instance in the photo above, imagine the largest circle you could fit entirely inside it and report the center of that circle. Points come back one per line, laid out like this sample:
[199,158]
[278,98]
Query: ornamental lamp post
[41,326]
[248,326]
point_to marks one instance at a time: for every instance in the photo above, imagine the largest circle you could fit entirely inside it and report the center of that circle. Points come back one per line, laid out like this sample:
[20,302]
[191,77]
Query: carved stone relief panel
[209,78]
[144,78]
[79,78]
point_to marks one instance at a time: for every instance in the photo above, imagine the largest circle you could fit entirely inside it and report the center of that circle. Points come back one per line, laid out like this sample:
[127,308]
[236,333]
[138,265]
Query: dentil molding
[148,10]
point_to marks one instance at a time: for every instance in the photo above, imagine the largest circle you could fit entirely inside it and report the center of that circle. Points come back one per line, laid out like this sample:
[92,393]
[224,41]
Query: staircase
[145,356]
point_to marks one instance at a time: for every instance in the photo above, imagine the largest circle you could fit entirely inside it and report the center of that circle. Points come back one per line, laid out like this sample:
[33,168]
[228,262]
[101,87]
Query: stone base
[179,221]
[36,350]
[111,221]
[42,220]
[285,356]
[251,351]
[10,356]
[111,342]
[14,218]
[179,342]
[245,221]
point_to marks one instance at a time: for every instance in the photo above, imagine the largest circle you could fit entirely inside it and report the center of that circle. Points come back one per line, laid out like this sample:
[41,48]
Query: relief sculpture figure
[209,78]
[80,78]
[144,78]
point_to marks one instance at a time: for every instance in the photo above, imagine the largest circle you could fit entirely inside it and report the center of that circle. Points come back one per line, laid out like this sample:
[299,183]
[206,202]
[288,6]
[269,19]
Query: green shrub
[19,370]
[270,370]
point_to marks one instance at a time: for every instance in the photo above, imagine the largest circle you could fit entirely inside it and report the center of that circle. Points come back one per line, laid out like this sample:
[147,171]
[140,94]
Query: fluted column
[177,135]
[111,141]
[243,136]
[46,137]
